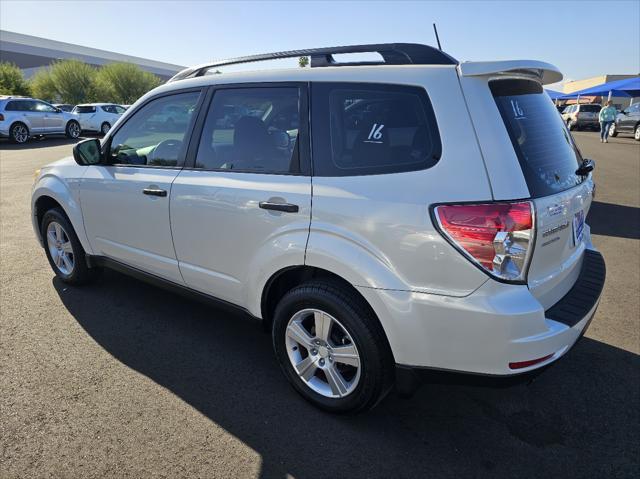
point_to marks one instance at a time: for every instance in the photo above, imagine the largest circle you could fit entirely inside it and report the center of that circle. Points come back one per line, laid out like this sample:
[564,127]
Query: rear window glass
[365,129]
[85,109]
[545,149]
[590,108]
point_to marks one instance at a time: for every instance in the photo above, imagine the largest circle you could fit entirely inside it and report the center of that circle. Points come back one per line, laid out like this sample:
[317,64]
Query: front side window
[148,138]
[251,130]
[44,107]
[364,129]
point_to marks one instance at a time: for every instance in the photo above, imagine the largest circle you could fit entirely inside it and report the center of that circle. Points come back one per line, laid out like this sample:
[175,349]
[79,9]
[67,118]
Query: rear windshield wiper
[586,167]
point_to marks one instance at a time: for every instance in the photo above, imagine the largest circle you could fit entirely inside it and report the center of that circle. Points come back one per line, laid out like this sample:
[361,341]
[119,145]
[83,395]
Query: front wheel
[570,125]
[612,130]
[73,130]
[636,133]
[63,249]
[104,129]
[332,348]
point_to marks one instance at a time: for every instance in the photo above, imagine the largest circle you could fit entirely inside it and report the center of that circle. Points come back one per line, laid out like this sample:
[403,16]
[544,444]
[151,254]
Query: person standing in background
[606,117]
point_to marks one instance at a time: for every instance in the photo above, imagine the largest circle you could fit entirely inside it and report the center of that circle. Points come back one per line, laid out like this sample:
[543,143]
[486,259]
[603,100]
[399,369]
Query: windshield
[545,149]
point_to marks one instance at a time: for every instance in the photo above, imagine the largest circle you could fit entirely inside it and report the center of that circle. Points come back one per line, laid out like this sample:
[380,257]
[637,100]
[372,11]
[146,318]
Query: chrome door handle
[154,192]
[286,207]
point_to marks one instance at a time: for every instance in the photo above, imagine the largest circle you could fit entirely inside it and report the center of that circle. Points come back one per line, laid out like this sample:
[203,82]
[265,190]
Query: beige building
[576,85]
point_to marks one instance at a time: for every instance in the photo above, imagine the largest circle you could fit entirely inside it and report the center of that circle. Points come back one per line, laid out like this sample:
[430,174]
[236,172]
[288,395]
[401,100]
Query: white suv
[378,217]
[98,117]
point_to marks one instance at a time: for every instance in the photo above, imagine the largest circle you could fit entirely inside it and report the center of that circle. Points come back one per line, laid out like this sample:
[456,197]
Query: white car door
[86,116]
[245,200]
[125,202]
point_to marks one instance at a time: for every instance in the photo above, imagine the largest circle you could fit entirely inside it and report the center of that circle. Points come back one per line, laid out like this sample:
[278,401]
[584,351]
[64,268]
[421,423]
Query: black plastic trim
[103,261]
[584,294]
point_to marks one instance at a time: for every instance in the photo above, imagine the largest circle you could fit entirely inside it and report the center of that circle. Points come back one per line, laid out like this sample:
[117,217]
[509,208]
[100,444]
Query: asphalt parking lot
[120,379]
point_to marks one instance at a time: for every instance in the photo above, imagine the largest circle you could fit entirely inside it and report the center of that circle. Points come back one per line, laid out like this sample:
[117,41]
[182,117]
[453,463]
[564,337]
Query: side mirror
[87,152]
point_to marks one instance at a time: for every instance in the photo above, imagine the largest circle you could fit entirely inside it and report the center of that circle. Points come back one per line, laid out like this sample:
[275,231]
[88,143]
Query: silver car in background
[22,118]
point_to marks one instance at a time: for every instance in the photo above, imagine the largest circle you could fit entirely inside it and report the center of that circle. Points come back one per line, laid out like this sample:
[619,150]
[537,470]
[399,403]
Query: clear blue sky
[583,38]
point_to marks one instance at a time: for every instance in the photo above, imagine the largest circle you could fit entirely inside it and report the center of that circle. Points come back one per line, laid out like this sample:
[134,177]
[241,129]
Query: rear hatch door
[529,153]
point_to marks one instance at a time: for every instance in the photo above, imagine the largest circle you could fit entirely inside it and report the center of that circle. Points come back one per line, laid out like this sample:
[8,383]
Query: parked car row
[627,121]
[22,118]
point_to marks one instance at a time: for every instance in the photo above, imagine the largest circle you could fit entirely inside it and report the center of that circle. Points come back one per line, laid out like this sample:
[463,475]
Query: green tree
[68,81]
[123,83]
[303,62]
[12,81]
[42,86]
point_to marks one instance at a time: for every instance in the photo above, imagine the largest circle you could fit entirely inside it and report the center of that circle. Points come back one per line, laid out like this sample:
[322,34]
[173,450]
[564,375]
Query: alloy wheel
[74,130]
[323,353]
[60,248]
[20,133]
[612,129]
[105,128]
[636,134]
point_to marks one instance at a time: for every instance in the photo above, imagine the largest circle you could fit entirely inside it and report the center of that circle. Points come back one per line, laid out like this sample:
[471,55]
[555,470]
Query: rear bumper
[494,327]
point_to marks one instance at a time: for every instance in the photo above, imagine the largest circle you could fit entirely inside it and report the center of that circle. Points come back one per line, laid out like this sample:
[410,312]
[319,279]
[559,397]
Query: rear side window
[368,129]
[16,105]
[546,152]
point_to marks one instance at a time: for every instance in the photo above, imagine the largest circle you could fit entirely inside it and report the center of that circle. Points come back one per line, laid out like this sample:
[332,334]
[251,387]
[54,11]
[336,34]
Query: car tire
[364,373]
[570,125]
[72,131]
[636,133]
[104,128]
[613,131]
[63,249]
[19,133]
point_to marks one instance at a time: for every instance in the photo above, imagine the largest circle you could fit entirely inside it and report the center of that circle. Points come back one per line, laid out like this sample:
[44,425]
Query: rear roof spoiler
[546,72]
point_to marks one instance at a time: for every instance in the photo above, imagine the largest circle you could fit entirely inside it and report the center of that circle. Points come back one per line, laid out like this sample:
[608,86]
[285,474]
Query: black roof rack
[392,54]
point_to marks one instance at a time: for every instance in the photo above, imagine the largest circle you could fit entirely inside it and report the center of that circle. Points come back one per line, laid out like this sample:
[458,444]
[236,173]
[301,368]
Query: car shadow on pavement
[576,419]
[610,219]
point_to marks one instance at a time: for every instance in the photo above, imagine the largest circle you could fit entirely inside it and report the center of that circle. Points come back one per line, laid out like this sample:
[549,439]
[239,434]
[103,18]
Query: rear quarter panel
[376,231]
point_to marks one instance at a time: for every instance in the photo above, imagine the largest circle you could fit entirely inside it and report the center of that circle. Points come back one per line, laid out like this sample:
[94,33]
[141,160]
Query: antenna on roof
[435,30]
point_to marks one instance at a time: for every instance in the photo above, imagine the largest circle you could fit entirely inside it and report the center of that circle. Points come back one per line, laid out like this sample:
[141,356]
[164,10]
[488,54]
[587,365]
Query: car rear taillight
[498,237]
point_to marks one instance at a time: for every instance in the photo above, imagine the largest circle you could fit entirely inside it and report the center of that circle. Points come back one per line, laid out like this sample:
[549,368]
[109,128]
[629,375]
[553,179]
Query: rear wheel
[636,133]
[331,348]
[570,125]
[19,133]
[64,251]
[73,130]
[612,130]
